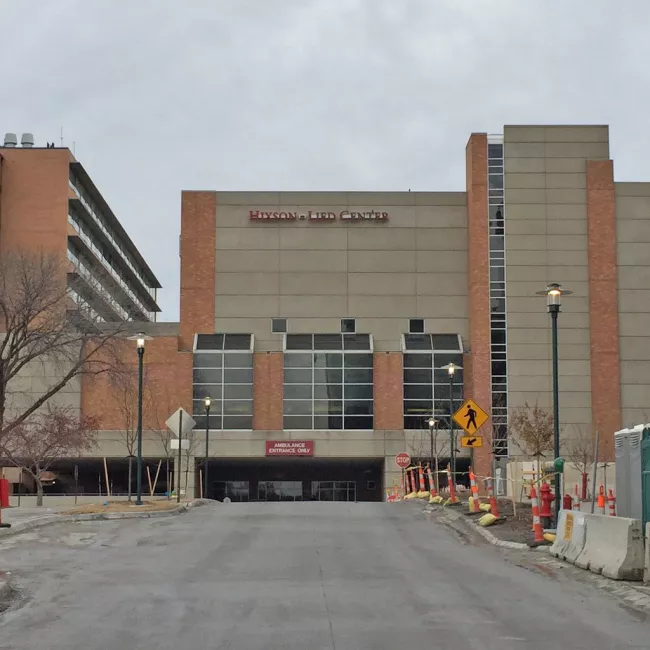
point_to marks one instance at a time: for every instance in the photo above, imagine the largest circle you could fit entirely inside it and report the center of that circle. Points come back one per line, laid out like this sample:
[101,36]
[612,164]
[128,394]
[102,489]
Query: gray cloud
[160,96]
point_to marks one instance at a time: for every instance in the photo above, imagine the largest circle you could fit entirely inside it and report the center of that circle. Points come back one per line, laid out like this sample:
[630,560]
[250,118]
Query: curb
[486,534]
[5,590]
[46,520]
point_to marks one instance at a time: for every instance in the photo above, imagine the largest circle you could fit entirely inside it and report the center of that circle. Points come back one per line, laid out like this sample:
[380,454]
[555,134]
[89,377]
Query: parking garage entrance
[302,479]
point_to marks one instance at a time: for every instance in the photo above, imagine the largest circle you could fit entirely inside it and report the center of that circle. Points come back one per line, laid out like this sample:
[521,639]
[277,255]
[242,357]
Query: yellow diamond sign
[470,417]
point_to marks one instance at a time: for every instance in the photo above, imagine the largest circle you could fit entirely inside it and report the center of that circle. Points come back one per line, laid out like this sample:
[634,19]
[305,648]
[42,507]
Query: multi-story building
[49,202]
[321,324]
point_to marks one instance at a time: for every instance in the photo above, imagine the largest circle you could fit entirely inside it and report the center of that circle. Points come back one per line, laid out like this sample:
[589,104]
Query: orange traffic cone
[537,522]
[611,499]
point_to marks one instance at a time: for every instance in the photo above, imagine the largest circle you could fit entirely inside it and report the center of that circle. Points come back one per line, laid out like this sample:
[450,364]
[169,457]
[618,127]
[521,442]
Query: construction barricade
[613,547]
[570,538]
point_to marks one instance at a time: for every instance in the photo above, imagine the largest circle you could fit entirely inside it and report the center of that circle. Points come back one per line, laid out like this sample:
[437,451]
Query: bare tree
[41,328]
[581,453]
[161,406]
[188,454]
[532,427]
[431,445]
[56,432]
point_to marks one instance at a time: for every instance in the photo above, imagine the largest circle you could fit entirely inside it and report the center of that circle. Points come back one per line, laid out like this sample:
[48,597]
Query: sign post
[179,423]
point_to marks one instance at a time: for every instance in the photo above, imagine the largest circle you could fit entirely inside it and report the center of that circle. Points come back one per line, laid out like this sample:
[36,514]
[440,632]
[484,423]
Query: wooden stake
[108,487]
[201,482]
[155,481]
[149,478]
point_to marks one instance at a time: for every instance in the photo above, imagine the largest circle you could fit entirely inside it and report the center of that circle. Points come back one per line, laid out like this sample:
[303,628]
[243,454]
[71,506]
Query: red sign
[289,447]
[402,460]
[316,215]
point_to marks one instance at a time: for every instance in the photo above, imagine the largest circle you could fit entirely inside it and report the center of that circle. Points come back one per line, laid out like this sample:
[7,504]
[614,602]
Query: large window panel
[331,386]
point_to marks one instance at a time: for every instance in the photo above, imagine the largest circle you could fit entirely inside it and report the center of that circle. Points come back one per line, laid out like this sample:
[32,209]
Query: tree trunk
[39,491]
[169,492]
[130,476]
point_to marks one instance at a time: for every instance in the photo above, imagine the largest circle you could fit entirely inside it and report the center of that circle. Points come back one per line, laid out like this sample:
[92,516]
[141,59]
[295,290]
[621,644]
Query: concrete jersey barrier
[613,547]
[570,538]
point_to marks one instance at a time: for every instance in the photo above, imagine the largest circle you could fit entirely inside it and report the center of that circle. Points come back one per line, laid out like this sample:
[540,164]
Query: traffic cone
[611,499]
[422,493]
[494,508]
[537,522]
[475,501]
[450,481]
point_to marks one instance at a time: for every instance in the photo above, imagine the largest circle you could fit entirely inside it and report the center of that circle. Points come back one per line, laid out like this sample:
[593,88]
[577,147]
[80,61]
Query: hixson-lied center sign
[314,215]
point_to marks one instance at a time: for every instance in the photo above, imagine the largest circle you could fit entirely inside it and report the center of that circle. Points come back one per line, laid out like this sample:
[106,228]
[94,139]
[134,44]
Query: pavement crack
[322,586]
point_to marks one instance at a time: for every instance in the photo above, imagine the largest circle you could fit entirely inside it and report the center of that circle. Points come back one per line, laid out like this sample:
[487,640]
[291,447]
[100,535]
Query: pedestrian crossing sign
[470,417]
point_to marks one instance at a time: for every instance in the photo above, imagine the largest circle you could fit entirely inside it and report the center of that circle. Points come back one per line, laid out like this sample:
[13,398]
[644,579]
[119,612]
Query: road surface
[303,576]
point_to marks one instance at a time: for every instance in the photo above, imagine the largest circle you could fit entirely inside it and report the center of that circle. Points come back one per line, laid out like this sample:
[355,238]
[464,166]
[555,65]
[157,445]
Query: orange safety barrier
[537,522]
[450,482]
[432,485]
[601,501]
[611,500]
[474,489]
[421,477]
[407,479]
[494,508]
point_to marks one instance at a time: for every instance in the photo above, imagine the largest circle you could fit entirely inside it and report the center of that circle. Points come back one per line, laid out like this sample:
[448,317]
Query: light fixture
[207,401]
[432,422]
[451,368]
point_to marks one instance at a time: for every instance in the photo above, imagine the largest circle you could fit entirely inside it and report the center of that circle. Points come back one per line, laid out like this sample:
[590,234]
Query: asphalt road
[303,576]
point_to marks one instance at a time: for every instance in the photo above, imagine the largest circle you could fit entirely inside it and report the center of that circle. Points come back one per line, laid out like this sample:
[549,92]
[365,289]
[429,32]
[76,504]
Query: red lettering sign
[289,447]
[316,215]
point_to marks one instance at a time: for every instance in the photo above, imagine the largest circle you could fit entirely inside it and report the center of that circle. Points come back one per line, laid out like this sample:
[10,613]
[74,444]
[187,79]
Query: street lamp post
[206,403]
[553,295]
[140,339]
[433,423]
[451,371]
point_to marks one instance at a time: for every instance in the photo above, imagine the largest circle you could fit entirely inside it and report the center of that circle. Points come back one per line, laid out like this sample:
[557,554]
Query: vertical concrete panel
[479,286]
[603,301]
[267,390]
[389,390]
[198,255]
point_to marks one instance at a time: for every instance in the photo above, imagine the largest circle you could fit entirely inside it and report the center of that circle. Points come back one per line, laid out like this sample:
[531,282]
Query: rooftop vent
[27,140]
[10,140]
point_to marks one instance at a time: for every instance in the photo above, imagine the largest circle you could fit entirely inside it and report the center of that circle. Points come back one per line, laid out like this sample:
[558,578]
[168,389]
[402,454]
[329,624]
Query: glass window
[445,342]
[441,360]
[417,341]
[293,376]
[207,390]
[417,376]
[418,391]
[297,391]
[209,341]
[238,407]
[203,376]
[328,342]
[211,360]
[299,341]
[357,342]
[238,391]
[279,325]
[238,376]
[417,360]
[495,181]
[495,151]
[328,360]
[416,326]
[237,360]
[237,342]
[498,336]
[199,408]
[336,392]
[297,360]
[348,325]
[241,422]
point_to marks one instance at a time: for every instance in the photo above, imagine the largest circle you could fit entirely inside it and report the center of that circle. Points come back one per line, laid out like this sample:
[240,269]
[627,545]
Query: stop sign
[402,460]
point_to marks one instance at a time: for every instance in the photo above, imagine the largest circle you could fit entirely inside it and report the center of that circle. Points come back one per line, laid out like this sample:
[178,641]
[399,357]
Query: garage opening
[277,479]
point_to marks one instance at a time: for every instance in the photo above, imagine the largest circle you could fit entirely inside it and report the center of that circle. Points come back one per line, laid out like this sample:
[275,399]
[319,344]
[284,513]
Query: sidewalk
[15,516]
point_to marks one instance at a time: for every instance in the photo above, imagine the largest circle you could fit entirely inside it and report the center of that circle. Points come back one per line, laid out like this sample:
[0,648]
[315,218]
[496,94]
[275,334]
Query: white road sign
[187,425]
[185,443]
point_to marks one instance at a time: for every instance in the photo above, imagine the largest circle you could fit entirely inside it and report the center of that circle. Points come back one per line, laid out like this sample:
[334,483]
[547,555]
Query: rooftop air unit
[27,140]
[10,140]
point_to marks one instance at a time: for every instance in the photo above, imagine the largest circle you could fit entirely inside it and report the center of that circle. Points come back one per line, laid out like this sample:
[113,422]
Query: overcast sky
[163,95]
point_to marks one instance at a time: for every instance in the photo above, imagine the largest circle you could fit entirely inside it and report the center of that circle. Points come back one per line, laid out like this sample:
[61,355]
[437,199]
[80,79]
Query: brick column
[389,390]
[198,257]
[479,290]
[603,303]
[268,370]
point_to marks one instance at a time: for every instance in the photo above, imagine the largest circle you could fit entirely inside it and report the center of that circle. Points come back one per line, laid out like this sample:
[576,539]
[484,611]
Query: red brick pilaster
[198,259]
[389,390]
[603,303]
[479,288]
[268,369]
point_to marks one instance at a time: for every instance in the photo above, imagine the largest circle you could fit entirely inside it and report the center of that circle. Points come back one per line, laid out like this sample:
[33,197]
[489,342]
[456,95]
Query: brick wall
[198,252]
[168,385]
[267,390]
[603,303]
[478,280]
[389,390]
